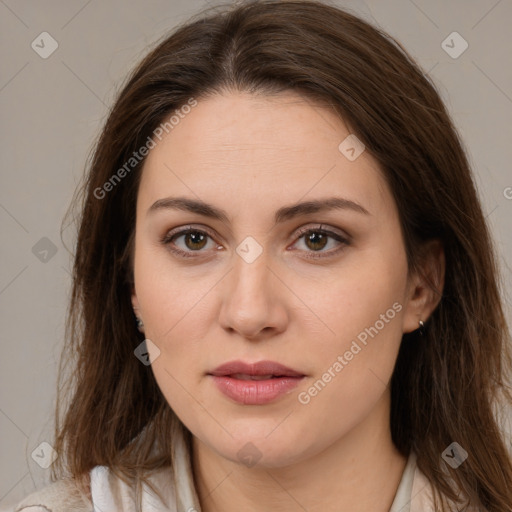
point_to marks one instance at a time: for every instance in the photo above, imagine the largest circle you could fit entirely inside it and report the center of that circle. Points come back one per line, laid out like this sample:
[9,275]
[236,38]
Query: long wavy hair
[448,385]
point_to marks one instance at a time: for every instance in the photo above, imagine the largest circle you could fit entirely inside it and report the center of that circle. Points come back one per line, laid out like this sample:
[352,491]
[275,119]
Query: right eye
[194,240]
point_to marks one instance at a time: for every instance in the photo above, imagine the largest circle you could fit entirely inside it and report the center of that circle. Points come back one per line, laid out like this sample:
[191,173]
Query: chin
[256,448]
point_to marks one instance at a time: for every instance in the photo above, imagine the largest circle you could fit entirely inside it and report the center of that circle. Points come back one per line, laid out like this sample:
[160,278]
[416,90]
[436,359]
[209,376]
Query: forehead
[279,148]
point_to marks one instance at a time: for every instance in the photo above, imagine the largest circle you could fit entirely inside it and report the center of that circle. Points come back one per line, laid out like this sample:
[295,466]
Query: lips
[255,383]
[257,371]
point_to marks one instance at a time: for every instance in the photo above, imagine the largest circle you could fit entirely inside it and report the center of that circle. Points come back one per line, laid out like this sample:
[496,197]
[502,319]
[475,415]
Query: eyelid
[327,229]
[183,230]
[298,233]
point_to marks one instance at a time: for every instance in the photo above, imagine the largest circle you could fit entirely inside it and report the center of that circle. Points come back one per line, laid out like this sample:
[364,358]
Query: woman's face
[330,303]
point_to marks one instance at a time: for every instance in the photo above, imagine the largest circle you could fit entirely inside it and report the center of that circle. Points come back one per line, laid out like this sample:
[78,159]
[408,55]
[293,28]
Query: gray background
[53,108]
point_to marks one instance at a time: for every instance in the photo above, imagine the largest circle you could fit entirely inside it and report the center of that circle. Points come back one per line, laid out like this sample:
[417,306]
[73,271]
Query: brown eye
[316,240]
[194,241]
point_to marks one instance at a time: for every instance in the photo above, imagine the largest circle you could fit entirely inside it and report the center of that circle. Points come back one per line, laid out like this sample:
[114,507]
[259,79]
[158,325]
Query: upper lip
[258,368]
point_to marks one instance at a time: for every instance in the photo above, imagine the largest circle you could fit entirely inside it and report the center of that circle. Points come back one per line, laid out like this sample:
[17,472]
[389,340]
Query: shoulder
[60,496]
[107,492]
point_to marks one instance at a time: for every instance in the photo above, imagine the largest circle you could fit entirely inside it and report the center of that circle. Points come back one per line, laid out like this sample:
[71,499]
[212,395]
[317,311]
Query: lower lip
[255,392]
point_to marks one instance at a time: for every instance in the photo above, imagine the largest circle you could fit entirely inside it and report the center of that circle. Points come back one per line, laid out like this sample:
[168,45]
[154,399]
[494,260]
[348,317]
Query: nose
[253,300]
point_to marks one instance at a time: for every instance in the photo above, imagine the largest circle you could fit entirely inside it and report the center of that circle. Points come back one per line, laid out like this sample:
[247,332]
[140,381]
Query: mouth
[260,370]
[255,383]
[244,376]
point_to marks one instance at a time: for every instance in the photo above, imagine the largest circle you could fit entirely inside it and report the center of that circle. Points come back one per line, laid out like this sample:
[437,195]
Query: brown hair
[446,385]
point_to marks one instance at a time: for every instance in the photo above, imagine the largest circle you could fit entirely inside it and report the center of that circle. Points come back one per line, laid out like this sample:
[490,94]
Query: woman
[280,199]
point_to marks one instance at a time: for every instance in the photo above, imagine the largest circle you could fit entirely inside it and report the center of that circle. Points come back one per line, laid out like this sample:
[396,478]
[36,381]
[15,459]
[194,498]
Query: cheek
[352,373]
[172,305]
[176,387]
[361,294]
[364,342]
[363,309]
[170,296]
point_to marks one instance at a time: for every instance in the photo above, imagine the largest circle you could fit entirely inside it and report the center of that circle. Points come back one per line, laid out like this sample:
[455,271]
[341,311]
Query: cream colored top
[110,494]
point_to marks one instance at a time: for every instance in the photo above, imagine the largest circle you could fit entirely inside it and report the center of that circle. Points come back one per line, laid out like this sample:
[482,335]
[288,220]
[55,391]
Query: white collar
[110,494]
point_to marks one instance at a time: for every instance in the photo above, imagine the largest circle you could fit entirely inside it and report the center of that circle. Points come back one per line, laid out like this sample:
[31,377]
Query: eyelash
[169,237]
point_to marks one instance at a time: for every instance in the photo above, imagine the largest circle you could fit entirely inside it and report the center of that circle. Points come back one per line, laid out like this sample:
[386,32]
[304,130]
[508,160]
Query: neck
[359,472]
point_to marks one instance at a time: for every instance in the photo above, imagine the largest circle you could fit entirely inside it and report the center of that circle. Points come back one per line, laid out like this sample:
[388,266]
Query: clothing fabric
[176,485]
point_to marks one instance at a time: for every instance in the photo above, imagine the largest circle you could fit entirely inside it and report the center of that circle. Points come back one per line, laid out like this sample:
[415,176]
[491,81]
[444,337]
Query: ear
[135,302]
[425,286]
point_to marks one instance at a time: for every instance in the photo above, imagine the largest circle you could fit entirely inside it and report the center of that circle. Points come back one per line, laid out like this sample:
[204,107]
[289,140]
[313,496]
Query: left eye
[318,239]
[195,240]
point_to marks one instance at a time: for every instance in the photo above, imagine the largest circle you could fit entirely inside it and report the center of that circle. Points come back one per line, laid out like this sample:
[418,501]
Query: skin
[251,155]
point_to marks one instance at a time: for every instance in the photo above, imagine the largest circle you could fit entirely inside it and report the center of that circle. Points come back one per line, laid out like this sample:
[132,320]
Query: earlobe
[426,287]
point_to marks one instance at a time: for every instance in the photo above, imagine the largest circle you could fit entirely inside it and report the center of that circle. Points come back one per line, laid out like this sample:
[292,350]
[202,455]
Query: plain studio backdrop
[62,62]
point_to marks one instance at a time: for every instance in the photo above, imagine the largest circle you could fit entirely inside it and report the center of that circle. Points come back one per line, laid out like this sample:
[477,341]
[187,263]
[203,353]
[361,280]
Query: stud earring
[140,324]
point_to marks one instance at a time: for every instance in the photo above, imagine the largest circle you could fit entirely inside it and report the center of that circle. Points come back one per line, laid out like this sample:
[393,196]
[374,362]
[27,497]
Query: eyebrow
[283,214]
